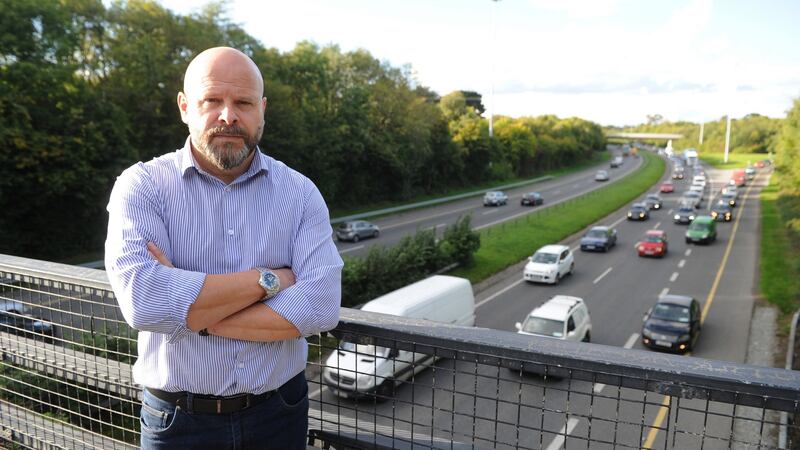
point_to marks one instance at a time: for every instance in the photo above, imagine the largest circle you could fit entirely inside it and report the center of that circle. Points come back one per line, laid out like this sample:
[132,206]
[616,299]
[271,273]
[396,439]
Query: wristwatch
[269,281]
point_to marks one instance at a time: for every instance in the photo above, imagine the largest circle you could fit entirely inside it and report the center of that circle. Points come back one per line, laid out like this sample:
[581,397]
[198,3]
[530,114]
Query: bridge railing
[448,387]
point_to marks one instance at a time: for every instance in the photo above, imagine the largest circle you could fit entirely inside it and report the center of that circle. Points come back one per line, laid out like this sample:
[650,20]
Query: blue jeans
[280,422]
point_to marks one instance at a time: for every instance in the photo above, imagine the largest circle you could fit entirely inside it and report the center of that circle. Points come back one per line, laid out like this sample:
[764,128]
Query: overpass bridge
[660,136]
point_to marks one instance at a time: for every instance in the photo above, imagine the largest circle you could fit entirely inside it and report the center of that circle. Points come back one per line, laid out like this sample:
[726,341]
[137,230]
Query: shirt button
[230,231]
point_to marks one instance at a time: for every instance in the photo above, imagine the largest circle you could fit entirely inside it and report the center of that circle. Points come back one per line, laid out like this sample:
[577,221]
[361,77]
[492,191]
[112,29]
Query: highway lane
[618,287]
[395,227]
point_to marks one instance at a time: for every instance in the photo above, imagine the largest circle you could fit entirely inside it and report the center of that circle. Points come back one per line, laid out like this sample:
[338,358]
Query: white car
[562,317]
[549,264]
[495,198]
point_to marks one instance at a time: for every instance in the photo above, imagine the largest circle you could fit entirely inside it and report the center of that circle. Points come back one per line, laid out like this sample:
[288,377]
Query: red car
[667,187]
[653,244]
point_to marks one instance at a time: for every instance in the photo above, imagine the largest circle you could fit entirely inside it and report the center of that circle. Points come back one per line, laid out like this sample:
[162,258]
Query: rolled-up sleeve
[312,303]
[152,297]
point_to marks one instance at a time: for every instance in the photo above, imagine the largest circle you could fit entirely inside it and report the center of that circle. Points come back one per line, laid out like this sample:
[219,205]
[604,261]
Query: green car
[702,229]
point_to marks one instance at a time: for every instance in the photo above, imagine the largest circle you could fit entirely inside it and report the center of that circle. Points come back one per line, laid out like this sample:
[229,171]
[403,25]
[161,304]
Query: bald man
[222,258]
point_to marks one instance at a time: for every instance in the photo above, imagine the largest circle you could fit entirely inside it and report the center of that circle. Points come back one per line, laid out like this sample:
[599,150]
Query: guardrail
[435,201]
[466,387]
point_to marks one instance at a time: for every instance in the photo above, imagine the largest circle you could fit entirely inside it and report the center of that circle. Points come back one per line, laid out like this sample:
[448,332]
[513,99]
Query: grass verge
[510,242]
[779,263]
[735,160]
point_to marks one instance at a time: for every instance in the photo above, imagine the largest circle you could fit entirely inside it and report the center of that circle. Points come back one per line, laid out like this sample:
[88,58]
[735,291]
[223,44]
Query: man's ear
[183,106]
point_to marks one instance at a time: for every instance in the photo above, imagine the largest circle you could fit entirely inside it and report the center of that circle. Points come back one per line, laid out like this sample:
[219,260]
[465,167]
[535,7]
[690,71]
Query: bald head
[222,63]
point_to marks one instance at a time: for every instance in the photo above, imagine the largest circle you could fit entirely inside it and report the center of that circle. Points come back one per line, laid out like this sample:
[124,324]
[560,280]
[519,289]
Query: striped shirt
[270,216]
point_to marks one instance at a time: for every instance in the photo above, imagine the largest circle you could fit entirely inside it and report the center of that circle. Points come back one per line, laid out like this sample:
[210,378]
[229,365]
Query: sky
[609,61]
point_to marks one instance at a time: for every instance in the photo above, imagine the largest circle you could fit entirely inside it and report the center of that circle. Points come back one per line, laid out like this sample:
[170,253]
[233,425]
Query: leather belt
[210,404]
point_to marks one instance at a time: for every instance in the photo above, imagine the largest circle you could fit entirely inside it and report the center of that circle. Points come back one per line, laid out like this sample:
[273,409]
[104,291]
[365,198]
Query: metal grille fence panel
[384,382]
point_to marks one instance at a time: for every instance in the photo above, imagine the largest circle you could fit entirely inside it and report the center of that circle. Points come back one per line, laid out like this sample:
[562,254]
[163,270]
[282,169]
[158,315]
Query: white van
[355,370]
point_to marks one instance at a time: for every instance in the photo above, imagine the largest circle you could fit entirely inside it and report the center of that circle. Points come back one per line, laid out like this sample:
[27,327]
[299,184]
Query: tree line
[87,90]
[753,133]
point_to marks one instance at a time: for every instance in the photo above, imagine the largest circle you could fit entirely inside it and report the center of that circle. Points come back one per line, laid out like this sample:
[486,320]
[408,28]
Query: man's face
[225,114]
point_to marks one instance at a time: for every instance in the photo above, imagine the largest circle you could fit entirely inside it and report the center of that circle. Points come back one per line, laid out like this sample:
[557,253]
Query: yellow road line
[662,412]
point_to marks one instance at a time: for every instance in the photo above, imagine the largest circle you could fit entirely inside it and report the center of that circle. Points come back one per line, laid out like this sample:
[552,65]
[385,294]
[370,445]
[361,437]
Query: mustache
[231,130]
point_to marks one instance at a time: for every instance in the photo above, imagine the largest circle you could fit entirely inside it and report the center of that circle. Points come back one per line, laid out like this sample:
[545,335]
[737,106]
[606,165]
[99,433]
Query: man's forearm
[258,323]
[223,295]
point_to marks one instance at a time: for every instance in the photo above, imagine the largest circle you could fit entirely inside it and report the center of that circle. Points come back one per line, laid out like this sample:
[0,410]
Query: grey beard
[226,156]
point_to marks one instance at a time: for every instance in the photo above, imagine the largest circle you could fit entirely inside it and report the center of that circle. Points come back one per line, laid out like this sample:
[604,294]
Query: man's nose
[228,115]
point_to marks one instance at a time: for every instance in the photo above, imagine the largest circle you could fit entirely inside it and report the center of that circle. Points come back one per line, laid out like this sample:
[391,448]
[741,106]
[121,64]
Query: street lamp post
[727,138]
[491,73]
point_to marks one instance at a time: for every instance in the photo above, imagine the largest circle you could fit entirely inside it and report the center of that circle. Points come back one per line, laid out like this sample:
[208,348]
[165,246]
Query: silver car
[356,230]
[495,198]
[601,175]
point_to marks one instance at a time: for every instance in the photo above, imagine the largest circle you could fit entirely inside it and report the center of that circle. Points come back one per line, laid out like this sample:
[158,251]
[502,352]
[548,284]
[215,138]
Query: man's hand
[158,255]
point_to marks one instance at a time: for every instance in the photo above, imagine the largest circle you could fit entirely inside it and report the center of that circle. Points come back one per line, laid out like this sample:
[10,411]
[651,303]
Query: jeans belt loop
[247,401]
[190,403]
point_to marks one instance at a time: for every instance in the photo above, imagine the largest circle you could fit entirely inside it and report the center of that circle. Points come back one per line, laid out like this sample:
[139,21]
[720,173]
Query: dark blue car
[673,324]
[599,239]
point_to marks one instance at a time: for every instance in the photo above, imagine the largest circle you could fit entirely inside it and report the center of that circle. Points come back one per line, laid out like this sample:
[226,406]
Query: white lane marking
[319,391]
[556,192]
[441,225]
[673,277]
[631,340]
[688,252]
[598,387]
[681,263]
[670,211]
[435,227]
[351,249]
[498,293]
[562,434]
[657,225]
[664,292]
[491,211]
[602,275]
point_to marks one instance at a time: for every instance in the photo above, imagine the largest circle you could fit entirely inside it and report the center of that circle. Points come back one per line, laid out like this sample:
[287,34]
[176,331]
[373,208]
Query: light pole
[491,73]
[701,132]
[727,138]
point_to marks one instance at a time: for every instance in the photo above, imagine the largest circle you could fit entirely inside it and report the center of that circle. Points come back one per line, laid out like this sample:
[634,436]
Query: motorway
[619,288]
[397,226]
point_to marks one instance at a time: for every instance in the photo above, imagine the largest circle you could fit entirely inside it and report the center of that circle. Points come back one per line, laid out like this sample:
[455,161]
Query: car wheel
[605,248]
[572,268]
[588,337]
[356,238]
[377,233]
[688,241]
[558,278]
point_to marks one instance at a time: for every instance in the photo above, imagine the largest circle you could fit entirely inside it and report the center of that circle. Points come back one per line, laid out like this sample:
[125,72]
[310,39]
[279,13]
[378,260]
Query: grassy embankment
[735,160]
[511,242]
[779,262]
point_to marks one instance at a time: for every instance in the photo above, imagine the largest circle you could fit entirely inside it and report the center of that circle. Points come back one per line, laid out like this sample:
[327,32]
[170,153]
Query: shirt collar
[259,164]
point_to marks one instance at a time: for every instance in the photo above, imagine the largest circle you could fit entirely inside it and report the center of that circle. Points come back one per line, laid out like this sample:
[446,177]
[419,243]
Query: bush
[416,257]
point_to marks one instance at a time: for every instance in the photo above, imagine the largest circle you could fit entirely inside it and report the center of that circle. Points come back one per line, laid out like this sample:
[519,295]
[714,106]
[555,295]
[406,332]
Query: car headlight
[691,217]
[629,214]
[677,217]
[641,215]
[641,248]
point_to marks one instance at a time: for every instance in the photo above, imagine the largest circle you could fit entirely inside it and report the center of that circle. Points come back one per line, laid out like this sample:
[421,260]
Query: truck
[690,157]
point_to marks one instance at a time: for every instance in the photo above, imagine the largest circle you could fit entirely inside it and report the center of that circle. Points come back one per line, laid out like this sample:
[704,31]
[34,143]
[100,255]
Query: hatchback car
[549,264]
[693,197]
[750,172]
[638,211]
[685,214]
[672,324]
[677,174]
[599,238]
[702,229]
[495,198]
[531,199]
[616,161]
[15,318]
[562,317]
[356,230]
[601,175]
[667,187]
[653,244]
[722,212]
[653,201]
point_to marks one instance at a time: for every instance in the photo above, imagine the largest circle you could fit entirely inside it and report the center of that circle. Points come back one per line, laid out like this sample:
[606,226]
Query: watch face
[270,280]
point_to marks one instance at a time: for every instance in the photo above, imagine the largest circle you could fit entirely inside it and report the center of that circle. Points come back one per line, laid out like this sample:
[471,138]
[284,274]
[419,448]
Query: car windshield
[364,350]
[672,313]
[596,234]
[698,226]
[346,226]
[544,327]
[653,239]
[545,258]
